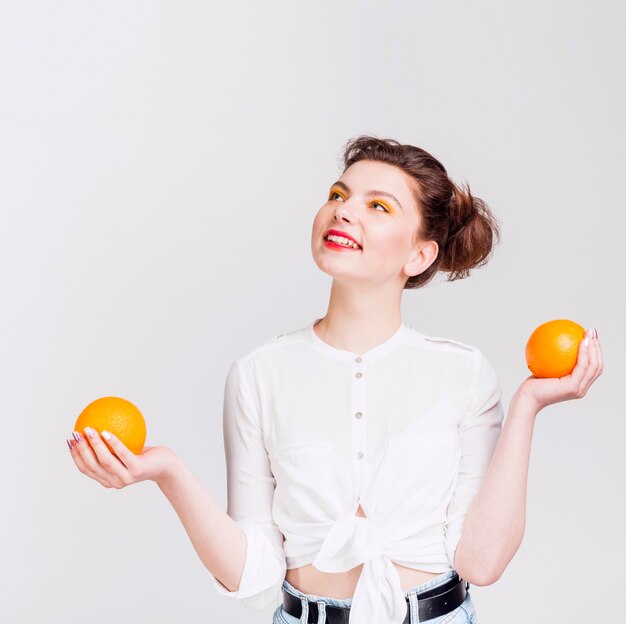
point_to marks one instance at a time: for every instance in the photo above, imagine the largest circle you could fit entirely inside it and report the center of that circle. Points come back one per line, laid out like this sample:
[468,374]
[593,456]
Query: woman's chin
[339,274]
[332,270]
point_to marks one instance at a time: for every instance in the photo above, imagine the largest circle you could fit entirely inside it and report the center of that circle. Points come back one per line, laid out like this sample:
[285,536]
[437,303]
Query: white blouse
[406,430]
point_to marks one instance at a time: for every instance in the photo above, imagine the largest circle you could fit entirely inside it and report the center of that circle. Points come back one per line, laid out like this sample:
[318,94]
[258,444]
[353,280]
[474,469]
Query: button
[358,360]
[359,375]
[358,414]
[359,455]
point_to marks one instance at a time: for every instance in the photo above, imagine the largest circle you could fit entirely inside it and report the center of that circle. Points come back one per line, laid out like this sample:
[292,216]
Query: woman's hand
[94,459]
[543,392]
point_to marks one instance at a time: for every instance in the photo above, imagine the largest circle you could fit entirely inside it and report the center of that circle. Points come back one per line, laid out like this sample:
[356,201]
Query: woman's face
[373,204]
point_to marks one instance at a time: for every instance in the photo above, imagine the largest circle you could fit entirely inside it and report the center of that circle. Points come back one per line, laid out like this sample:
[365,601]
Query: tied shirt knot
[378,596]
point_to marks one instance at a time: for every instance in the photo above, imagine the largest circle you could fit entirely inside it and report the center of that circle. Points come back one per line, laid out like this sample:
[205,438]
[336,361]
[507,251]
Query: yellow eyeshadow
[334,190]
[377,201]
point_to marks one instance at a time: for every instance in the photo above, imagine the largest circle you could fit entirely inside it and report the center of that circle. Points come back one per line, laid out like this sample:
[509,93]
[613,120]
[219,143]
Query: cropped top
[406,430]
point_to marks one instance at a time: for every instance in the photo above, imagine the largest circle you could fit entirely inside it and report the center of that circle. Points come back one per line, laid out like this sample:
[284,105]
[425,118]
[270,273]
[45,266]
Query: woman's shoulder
[441,343]
[269,345]
[452,354]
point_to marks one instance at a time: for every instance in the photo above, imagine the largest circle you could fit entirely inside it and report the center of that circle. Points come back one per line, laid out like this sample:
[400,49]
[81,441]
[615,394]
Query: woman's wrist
[523,403]
[170,470]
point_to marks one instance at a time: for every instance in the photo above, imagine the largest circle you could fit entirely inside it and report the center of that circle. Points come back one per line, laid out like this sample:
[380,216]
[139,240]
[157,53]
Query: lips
[340,233]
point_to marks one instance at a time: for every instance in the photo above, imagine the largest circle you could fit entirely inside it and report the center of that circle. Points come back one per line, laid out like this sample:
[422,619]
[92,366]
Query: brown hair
[462,225]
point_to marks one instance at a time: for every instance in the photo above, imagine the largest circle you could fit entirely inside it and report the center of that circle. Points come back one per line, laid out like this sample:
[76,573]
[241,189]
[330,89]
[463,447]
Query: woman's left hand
[543,392]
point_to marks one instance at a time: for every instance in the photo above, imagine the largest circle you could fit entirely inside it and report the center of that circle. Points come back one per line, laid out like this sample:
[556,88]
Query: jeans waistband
[347,602]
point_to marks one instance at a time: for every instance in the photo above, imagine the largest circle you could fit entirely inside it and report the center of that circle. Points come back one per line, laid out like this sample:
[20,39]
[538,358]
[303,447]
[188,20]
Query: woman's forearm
[494,524]
[219,541]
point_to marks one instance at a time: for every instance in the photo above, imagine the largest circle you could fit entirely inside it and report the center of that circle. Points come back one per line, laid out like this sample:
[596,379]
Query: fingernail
[106,435]
[70,443]
[89,431]
[77,436]
[586,341]
[595,332]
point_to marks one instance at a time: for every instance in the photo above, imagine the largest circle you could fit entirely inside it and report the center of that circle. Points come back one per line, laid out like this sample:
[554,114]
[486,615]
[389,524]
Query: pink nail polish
[89,432]
[77,436]
[70,443]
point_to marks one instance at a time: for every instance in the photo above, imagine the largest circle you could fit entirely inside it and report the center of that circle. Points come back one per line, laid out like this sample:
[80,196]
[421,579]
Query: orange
[120,417]
[552,349]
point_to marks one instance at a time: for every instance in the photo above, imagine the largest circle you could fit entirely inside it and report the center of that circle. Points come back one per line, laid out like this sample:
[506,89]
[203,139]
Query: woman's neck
[357,322]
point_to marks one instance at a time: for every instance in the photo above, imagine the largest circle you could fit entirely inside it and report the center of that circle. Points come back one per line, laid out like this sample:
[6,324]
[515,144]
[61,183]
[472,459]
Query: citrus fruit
[119,416]
[552,349]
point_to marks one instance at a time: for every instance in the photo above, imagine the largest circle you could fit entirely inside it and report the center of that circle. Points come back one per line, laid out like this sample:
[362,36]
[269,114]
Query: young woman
[370,479]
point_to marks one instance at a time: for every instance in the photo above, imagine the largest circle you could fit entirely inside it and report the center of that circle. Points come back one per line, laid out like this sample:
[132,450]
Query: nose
[344,211]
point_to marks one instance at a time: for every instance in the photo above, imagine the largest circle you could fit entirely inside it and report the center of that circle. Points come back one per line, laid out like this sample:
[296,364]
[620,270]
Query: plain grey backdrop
[161,165]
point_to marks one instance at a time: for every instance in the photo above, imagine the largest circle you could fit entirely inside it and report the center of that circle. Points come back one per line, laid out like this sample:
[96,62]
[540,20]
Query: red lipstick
[334,245]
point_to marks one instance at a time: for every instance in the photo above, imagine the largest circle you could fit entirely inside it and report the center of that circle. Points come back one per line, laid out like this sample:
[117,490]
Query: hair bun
[463,208]
[473,229]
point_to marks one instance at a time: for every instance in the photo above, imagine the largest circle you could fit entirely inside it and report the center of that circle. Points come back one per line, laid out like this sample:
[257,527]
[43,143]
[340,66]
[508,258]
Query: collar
[376,352]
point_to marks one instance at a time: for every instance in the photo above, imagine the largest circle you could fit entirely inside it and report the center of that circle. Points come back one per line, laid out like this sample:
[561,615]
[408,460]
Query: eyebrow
[370,193]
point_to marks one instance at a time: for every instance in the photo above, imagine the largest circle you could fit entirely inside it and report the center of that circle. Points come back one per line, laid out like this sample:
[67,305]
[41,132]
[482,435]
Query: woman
[370,478]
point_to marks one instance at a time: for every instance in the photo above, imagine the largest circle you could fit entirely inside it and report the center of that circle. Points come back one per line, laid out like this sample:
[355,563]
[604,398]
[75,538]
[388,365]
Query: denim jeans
[463,614]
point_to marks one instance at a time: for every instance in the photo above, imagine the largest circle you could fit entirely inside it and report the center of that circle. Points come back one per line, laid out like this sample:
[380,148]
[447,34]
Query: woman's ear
[424,254]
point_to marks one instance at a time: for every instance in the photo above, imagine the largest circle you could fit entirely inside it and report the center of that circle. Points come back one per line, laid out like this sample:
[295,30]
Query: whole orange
[119,416]
[552,349]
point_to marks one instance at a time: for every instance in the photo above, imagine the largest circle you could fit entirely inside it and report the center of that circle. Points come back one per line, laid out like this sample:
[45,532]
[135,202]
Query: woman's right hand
[94,459]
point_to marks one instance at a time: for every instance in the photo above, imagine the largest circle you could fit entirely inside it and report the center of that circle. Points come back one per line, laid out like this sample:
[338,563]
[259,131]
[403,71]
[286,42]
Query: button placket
[359,423]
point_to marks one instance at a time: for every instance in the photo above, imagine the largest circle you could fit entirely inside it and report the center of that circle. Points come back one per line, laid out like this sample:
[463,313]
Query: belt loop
[321,612]
[304,617]
[414,608]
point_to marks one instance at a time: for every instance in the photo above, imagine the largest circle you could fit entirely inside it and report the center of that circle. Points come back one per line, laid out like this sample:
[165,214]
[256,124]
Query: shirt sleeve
[479,431]
[250,492]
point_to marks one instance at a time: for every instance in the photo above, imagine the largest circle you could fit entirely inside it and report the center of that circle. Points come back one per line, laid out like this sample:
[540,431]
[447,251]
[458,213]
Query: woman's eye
[336,195]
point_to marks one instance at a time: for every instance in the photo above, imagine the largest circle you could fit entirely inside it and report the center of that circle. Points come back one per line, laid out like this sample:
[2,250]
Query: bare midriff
[309,580]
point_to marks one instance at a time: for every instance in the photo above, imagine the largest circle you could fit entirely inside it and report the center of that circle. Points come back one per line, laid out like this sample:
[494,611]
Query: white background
[161,164]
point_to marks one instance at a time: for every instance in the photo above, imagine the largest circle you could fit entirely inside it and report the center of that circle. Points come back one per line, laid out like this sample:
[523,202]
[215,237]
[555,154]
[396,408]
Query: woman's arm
[241,548]
[494,523]
[219,541]
[493,527]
